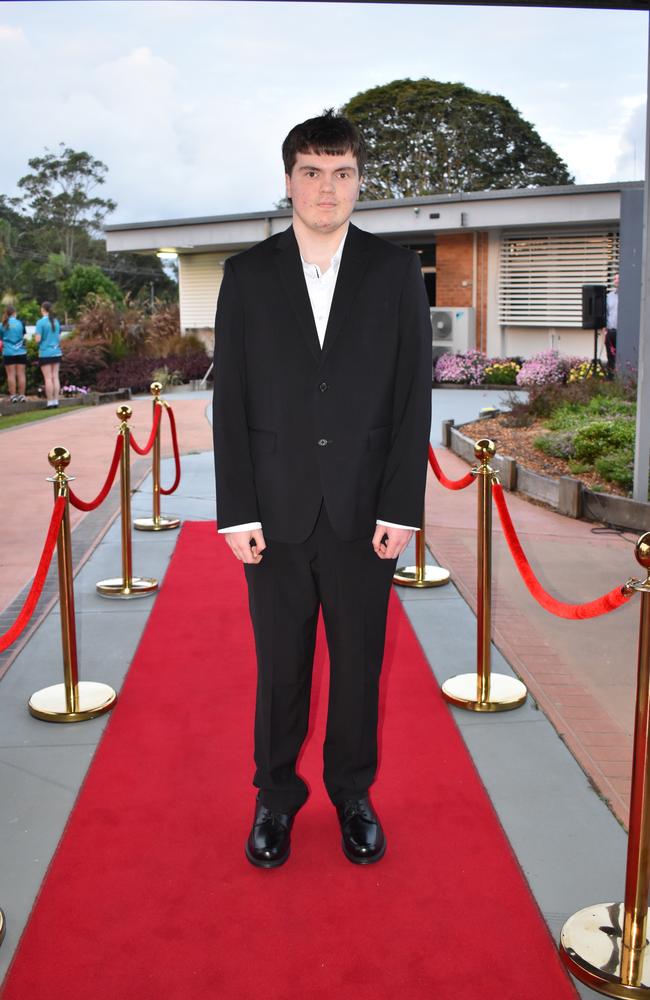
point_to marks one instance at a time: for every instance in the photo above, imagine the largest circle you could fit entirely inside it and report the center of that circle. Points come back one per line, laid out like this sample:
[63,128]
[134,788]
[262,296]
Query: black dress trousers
[286,589]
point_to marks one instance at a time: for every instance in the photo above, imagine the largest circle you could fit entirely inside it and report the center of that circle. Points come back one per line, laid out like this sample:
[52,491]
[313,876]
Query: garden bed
[518,443]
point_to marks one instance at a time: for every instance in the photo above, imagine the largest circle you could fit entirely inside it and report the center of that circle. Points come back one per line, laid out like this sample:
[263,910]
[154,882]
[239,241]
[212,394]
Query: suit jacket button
[323,387]
[323,442]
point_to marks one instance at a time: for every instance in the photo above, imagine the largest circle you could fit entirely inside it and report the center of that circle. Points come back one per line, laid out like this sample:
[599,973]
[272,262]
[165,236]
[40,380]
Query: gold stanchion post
[484,691]
[74,700]
[127,586]
[421,575]
[156,522]
[605,946]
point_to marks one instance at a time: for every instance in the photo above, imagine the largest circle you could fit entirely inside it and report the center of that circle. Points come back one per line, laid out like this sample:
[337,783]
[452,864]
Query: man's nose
[327,183]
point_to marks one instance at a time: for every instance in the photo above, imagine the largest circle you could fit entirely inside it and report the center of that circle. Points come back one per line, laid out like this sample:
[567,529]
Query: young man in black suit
[321,427]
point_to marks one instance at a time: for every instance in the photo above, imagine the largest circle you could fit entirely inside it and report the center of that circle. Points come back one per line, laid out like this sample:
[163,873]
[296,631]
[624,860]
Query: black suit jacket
[294,424]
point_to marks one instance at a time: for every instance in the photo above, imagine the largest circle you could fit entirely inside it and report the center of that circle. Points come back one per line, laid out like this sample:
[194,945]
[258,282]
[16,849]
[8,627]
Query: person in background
[48,338]
[612,324]
[14,353]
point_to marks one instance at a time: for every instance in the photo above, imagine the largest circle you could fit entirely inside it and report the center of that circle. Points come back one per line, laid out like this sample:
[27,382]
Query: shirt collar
[313,270]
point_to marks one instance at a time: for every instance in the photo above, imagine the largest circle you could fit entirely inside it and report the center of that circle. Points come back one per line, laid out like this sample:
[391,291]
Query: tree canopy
[58,195]
[55,225]
[82,282]
[426,137]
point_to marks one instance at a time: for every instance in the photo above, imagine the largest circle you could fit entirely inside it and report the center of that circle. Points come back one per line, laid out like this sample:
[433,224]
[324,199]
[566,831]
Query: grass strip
[16,419]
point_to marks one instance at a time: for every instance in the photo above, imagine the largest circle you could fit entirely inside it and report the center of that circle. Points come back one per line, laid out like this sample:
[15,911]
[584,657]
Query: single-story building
[504,270]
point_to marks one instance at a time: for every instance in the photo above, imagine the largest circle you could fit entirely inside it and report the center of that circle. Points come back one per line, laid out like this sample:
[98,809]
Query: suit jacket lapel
[354,261]
[293,279]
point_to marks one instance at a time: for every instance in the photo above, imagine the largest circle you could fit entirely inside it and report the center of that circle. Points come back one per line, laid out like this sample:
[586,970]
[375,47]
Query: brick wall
[455,276]
[454,269]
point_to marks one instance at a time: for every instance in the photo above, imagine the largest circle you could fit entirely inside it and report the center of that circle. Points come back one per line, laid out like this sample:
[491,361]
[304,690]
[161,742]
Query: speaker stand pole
[594,363]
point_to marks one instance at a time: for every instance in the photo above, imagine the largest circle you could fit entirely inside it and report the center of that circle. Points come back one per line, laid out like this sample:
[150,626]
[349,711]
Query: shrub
[602,437]
[584,370]
[117,331]
[501,371]
[137,373]
[543,369]
[572,415]
[163,329]
[29,310]
[86,282]
[81,363]
[559,445]
[464,369]
[617,467]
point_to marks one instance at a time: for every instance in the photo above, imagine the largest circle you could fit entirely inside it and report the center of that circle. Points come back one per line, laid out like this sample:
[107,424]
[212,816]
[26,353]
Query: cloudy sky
[188,102]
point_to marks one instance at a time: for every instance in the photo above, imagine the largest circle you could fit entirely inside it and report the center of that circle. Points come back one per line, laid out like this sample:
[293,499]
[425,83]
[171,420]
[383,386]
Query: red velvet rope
[103,493]
[592,609]
[152,437]
[177,457]
[451,484]
[37,584]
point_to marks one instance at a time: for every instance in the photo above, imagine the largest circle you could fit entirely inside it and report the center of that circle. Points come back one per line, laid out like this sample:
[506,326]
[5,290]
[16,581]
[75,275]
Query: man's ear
[287,185]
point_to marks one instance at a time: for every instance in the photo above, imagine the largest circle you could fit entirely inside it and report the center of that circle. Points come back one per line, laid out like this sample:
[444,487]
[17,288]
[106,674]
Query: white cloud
[630,163]
[9,33]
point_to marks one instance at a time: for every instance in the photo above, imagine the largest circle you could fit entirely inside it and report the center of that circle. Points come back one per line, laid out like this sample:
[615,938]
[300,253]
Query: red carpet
[149,896]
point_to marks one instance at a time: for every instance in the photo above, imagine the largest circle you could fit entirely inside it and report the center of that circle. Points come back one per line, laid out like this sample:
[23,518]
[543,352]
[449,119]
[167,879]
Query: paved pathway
[581,673]
[89,434]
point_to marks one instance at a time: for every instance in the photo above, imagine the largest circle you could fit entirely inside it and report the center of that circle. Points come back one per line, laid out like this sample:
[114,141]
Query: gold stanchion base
[505,693]
[140,587]
[591,946]
[434,576]
[93,699]
[156,523]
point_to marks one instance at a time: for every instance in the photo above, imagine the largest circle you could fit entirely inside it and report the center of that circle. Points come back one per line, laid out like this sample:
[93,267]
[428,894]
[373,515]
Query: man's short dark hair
[328,134]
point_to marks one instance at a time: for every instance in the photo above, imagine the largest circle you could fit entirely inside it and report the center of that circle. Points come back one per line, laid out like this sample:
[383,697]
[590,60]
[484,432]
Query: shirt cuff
[390,524]
[251,526]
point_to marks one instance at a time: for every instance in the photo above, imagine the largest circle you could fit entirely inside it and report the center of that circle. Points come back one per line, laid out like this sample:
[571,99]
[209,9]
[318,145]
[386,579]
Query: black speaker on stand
[594,314]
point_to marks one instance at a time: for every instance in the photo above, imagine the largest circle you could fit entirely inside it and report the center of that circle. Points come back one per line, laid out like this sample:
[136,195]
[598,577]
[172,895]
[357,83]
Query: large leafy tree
[426,137]
[57,224]
[59,196]
[82,282]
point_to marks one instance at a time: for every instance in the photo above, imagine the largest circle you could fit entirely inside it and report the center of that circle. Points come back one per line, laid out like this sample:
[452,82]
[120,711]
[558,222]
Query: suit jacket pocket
[262,442]
[379,438]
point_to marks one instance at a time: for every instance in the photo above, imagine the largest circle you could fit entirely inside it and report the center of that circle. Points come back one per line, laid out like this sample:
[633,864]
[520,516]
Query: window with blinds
[542,274]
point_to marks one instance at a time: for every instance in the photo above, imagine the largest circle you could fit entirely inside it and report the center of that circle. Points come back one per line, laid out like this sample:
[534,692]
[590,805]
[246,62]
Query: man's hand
[247,546]
[389,543]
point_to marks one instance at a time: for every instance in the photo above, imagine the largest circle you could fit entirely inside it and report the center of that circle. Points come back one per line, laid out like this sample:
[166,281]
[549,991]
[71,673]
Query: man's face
[323,190]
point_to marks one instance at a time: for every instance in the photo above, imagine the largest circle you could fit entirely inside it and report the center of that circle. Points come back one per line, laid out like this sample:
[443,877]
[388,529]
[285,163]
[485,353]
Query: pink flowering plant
[74,390]
[464,369]
[543,369]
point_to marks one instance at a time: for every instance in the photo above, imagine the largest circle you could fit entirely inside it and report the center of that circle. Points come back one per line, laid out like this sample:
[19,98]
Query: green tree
[58,194]
[426,137]
[85,281]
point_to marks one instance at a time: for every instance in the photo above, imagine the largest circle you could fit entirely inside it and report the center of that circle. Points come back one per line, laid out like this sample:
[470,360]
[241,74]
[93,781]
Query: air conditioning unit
[452,330]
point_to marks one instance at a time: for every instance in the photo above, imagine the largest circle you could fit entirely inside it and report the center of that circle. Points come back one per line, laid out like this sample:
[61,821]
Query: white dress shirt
[320,288]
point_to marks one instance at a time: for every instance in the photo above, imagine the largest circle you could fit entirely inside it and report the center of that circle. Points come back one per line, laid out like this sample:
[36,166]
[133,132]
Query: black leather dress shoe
[269,842]
[363,837]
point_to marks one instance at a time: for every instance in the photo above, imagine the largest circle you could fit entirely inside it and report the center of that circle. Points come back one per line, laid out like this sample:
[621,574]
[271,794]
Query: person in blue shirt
[48,338]
[14,353]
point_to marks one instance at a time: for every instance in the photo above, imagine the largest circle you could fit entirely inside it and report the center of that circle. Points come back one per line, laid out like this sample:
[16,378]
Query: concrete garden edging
[566,495]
